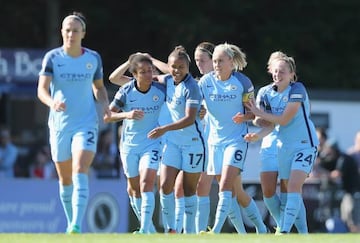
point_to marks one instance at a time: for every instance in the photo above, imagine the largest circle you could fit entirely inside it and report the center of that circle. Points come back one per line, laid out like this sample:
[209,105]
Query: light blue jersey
[134,132]
[178,98]
[269,144]
[223,100]
[72,80]
[300,131]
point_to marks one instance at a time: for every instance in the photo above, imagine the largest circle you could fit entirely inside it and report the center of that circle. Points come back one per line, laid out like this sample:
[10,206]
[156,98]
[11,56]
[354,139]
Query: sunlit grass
[172,238]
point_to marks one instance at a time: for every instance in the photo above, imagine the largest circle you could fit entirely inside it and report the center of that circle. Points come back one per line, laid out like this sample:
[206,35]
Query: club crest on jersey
[285,99]
[89,65]
[233,87]
[155,98]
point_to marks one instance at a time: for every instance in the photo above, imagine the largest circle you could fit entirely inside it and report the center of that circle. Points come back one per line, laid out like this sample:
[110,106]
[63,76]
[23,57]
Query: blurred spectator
[8,153]
[322,136]
[104,163]
[343,174]
[42,166]
[354,151]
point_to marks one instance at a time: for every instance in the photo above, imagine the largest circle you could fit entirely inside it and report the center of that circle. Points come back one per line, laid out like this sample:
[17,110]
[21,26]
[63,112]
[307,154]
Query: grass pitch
[177,238]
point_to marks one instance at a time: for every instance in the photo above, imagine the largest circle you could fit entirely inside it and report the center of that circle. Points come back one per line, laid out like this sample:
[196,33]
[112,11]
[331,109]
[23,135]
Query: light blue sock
[133,206]
[254,215]
[222,210]
[202,214]
[167,202]
[179,214]
[66,201]
[80,198]
[273,205]
[147,211]
[236,217]
[291,211]
[300,221]
[137,202]
[283,199]
[190,213]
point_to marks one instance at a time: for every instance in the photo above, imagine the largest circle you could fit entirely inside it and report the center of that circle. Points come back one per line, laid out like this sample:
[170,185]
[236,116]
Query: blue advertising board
[30,205]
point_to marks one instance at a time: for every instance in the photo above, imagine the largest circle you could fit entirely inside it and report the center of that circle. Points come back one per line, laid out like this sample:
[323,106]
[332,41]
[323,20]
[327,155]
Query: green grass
[163,238]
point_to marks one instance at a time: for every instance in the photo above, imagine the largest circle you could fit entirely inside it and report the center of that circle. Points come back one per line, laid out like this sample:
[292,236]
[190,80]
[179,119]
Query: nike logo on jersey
[61,65]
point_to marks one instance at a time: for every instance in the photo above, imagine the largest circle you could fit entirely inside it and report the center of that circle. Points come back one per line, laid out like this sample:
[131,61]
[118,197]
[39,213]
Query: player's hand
[261,122]
[156,132]
[251,137]
[251,106]
[202,112]
[58,106]
[238,118]
[135,114]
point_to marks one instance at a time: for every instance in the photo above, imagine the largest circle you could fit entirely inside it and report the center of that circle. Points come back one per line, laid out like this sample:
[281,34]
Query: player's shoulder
[244,80]
[266,88]
[297,84]
[54,52]
[206,77]
[297,87]
[190,82]
[126,88]
[159,86]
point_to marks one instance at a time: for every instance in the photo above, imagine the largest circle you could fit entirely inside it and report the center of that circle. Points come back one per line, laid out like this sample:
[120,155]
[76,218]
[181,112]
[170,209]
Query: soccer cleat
[74,229]
[277,230]
[138,232]
[207,232]
[171,231]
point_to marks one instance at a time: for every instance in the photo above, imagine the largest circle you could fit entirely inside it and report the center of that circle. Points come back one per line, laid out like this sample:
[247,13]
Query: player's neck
[73,51]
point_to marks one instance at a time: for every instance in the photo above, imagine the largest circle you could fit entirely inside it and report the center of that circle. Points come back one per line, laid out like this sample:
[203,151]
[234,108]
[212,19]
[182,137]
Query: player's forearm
[117,76]
[101,96]
[44,97]
[163,67]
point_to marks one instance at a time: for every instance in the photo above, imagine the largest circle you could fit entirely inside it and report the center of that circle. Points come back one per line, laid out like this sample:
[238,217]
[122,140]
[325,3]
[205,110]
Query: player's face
[281,73]
[144,73]
[178,68]
[223,64]
[72,33]
[203,62]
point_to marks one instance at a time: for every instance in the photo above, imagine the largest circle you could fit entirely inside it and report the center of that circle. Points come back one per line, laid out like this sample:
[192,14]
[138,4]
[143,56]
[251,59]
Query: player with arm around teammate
[290,107]
[184,145]
[225,87]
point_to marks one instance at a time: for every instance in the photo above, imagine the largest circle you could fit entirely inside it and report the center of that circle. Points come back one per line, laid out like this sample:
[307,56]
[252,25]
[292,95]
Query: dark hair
[206,47]
[137,58]
[180,52]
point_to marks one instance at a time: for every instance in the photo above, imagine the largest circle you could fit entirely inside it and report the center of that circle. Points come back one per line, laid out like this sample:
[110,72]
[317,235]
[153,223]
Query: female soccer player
[184,145]
[269,161]
[138,103]
[225,91]
[290,112]
[203,58]
[73,74]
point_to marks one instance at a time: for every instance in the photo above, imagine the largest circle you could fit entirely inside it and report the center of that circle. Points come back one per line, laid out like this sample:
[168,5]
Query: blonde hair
[78,16]
[235,53]
[281,56]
